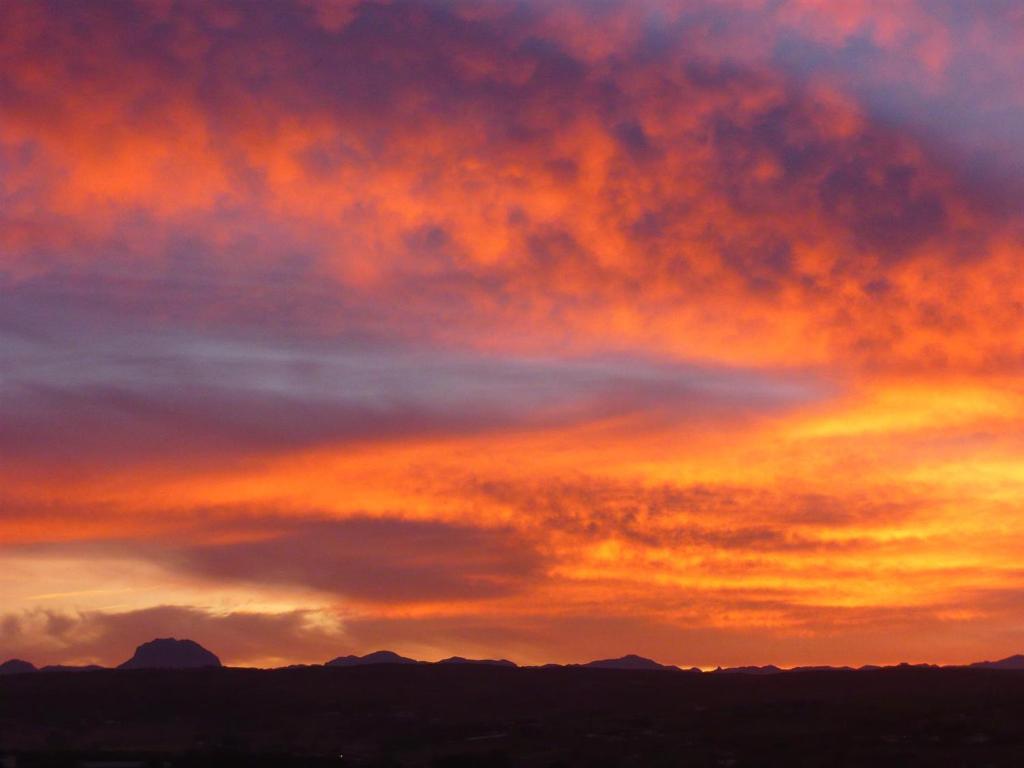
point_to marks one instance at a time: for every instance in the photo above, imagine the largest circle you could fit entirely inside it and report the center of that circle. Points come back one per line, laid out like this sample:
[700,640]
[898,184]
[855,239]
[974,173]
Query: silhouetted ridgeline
[1012,662]
[377,657]
[171,653]
[16,667]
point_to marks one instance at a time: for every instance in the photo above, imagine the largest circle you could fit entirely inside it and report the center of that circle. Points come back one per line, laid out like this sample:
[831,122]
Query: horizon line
[501,660]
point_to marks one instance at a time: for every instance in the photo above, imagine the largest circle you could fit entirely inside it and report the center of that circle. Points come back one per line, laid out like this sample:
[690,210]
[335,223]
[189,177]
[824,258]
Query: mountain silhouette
[492,662]
[17,667]
[630,661]
[1010,662]
[769,669]
[377,657]
[171,653]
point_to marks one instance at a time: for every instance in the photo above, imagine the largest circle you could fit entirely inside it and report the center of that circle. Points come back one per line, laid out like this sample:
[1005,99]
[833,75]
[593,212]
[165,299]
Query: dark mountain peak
[1010,662]
[171,653]
[768,669]
[17,667]
[377,657]
[70,668]
[629,661]
[491,662]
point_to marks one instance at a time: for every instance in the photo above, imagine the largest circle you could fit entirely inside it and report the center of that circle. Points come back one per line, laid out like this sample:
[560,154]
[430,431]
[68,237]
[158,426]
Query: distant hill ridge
[17,667]
[769,669]
[629,661]
[172,653]
[485,662]
[1010,662]
[377,657]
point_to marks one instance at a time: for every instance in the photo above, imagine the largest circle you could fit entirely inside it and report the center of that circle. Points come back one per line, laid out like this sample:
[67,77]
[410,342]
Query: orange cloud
[680,327]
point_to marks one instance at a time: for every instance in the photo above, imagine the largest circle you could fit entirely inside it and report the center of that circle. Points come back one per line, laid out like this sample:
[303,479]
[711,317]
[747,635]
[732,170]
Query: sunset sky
[548,330]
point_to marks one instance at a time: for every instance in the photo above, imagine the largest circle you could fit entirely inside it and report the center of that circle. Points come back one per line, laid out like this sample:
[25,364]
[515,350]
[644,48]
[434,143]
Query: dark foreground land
[491,716]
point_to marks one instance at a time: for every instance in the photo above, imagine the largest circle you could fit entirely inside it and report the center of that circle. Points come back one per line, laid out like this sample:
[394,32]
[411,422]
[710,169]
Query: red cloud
[741,313]
[461,173]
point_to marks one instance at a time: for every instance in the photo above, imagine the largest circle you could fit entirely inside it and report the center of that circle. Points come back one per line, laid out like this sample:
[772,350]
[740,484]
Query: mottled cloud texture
[537,330]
